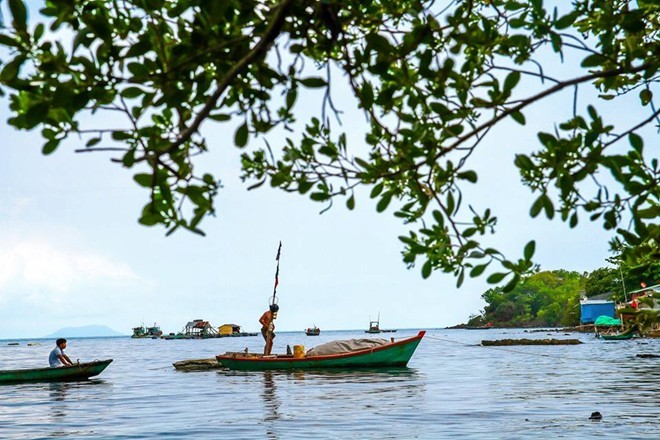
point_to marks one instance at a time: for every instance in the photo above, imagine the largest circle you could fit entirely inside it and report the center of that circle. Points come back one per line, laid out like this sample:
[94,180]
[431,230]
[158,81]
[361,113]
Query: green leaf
[241,136]
[138,49]
[304,186]
[461,278]
[50,146]
[313,82]
[319,196]
[645,96]
[478,270]
[546,139]
[93,142]
[350,203]
[518,117]
[367,95]
[537,206]
[470,176]
[120,135]
[377,189]
[496,278]
[593,60]
[138,69]
[11,69]
[511,284]
[19,13]
[291,97]
[132,92]
[6,40]
[523,162]
[548,206]
[426,269]
[529,250]
[143,179]
[566,21]
[511,81]
[379,43]
[220,117]
[636,141]
[384,201]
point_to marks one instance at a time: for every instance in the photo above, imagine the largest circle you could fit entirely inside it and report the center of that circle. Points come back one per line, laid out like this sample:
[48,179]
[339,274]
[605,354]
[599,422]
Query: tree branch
[259,49]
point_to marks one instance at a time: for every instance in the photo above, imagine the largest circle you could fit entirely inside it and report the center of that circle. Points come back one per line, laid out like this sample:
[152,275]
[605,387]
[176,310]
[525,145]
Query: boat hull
[75,372]
[619,337]
[395,354]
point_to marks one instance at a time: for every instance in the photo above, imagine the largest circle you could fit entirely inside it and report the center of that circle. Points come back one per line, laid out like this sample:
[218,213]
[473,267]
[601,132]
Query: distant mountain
[86,331]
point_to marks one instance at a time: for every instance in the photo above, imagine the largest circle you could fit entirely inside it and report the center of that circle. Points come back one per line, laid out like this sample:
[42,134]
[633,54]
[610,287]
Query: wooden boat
[313,331]
[147,332]
[617,336]
[374,327]
[80,371]
[391,354]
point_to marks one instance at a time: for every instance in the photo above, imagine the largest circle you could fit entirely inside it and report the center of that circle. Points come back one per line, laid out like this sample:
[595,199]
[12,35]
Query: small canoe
[617,337]
[81,371]
[391,354]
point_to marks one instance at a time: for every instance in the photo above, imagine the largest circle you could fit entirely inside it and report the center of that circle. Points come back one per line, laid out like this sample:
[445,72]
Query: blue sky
[73,254]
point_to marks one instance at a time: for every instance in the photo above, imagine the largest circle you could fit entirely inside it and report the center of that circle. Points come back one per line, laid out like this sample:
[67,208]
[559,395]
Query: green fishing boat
[80,371]
[617,337]
[381,353]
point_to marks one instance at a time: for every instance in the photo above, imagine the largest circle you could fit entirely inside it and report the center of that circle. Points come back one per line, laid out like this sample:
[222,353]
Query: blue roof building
[590,309]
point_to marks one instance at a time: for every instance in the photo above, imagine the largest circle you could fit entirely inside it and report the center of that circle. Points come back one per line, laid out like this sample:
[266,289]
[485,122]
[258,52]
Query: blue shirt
[53,360]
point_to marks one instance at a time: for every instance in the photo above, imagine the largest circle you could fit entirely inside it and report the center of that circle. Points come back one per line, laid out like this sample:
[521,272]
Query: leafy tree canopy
[433,81]
[550,298]
[619,281]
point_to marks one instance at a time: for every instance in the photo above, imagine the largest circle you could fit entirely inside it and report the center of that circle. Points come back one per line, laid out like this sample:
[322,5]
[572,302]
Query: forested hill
[552,298]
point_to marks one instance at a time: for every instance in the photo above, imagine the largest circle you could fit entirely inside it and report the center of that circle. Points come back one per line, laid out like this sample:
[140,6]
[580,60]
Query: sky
[72,252]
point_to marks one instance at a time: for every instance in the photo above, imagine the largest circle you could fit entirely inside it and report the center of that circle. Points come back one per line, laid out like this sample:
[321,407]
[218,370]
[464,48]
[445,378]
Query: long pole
[277,272]
[625,294]
[272,301]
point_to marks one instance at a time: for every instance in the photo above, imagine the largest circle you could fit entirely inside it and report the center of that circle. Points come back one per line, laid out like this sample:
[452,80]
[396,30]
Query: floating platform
[504,342]
[198,365]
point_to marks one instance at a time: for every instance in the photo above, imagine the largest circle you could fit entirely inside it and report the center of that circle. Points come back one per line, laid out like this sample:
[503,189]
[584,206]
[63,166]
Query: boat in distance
[79,371]
[390,354]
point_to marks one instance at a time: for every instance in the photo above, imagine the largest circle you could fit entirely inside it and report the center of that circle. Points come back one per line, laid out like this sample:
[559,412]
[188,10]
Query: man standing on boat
[57,357]
[268,327]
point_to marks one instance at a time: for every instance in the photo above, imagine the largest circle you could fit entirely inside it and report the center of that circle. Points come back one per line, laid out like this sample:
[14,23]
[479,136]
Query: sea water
[452,388]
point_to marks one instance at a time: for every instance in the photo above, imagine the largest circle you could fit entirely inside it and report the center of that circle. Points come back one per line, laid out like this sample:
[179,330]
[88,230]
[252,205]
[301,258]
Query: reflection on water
[58,392]
[271,404]
[271,401]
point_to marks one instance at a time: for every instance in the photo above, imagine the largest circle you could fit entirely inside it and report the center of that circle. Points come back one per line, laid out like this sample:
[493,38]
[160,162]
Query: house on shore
[593,307]
[198,328]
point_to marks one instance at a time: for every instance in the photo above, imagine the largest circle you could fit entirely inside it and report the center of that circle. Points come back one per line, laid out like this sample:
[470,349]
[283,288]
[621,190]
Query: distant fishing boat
[313,331]
[80,371]
[153,332]
[387,354]
[374,327]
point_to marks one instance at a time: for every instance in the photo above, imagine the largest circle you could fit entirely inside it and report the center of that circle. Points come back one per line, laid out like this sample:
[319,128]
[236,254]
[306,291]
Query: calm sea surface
[452,388]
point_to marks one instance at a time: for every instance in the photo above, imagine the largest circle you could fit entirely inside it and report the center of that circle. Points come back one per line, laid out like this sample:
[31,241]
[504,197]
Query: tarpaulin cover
[345,346]
[606,321]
